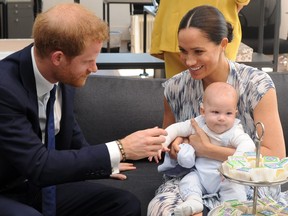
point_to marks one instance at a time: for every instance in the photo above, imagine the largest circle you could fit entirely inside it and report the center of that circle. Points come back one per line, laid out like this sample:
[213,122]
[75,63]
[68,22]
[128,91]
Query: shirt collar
[43,86]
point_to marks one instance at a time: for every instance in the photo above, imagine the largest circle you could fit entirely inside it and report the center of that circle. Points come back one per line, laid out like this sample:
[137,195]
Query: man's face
[76,70]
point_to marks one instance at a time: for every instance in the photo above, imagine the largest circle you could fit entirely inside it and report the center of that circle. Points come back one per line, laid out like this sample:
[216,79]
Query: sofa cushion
[109,108]
[123,105]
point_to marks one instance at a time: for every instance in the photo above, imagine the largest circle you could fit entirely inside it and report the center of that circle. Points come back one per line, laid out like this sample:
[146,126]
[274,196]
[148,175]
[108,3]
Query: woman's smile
[195,68]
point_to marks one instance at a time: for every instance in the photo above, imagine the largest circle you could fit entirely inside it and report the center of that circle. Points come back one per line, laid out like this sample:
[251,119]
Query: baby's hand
[165,149]
[158,157]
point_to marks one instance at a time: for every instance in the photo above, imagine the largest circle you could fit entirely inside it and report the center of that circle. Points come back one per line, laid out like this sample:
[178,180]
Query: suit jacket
[22,153]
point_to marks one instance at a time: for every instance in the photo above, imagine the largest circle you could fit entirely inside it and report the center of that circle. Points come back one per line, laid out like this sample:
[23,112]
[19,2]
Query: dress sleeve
[260,82]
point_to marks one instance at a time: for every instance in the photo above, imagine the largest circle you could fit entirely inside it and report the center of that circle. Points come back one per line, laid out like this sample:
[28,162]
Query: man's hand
[144,143]
[123,167]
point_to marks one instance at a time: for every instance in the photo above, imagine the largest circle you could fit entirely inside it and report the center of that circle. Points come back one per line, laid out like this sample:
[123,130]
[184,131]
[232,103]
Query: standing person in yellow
[164,42]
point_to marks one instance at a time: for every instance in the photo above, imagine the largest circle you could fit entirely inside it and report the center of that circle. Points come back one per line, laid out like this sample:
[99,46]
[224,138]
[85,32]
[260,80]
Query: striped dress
[184,95]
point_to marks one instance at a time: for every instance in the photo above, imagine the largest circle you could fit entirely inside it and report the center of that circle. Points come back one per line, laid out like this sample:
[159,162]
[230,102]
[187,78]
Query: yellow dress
[170,12]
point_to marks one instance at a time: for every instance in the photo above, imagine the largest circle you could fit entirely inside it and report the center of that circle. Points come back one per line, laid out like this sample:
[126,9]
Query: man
[67,41]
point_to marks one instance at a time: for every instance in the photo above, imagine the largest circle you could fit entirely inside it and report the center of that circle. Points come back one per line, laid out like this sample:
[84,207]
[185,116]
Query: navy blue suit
[23,156]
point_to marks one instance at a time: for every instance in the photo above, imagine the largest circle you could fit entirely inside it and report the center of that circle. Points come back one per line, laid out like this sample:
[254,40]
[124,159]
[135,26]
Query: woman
[164,36]
[203,35]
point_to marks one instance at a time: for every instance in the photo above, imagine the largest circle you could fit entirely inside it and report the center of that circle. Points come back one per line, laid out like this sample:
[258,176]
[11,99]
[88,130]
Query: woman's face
[201,56]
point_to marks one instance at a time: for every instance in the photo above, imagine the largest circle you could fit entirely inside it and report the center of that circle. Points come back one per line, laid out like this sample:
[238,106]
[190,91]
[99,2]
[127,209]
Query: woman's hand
[239,7]
[123,167]
[204,148]
[199,141]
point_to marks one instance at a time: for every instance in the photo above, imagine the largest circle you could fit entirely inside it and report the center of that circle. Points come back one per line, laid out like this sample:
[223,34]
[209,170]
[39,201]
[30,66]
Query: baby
[201,175]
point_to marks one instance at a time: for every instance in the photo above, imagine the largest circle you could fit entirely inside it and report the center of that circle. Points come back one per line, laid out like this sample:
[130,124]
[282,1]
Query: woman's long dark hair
[209,20]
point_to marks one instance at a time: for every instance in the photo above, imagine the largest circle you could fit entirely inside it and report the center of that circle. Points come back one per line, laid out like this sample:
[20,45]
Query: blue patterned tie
[49,193]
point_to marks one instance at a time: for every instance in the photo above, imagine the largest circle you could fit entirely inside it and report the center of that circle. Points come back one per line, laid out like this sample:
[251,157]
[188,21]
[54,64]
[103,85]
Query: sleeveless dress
[184,95]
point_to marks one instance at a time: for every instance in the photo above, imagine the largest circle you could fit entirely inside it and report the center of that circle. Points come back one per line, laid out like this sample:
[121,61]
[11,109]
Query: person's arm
[266,112]
[168,117]
[241,3]
[142,144]
[239,8]
[204,148]
[138,145]
[241,141]
[182,129]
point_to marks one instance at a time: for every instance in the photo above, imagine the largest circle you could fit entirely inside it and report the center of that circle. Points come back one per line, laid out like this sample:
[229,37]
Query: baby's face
[220,114]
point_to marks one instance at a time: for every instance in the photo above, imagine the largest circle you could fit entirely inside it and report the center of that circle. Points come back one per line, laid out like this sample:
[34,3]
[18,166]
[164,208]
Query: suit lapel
[28,78]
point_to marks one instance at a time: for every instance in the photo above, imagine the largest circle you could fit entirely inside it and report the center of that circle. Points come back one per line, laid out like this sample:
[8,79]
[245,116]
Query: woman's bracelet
[120,146]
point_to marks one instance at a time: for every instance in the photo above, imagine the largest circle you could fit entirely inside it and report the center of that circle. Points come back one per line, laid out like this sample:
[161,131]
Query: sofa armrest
[280,80]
